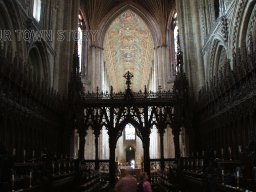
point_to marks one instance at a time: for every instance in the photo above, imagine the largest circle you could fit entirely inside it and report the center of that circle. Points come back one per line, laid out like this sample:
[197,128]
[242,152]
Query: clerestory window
[130,132]
[37,10]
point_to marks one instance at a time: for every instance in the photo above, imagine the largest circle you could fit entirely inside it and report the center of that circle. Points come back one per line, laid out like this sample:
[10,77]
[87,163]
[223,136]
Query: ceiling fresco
[128,46]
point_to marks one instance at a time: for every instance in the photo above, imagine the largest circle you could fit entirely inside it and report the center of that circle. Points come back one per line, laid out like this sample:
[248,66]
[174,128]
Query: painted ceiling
[128,46]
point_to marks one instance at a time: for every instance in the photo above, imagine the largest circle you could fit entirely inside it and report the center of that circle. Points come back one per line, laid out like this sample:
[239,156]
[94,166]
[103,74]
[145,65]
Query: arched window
[173,39]
[130,132]
[82,37]
[37,10]
[175,32]
[80,45]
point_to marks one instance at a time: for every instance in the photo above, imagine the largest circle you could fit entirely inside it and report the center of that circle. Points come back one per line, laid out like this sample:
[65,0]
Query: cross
[128,76]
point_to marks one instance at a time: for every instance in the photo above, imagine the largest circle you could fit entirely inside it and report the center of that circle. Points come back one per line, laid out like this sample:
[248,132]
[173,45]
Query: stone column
[112,147]
[146,160]
[162,62]
[161,132]
[96,134]
[189,24]
[146,141]
[96,69]
[112,161]
[176,137]
[82,134]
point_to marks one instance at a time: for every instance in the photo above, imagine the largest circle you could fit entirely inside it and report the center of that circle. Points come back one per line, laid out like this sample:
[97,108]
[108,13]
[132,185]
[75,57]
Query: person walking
[144,185]
[128,183]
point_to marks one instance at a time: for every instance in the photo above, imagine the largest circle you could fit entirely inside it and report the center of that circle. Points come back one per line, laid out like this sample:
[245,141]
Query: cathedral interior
[93,89]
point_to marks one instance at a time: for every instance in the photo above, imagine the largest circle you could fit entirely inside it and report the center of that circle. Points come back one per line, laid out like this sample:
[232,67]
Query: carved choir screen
[141,110]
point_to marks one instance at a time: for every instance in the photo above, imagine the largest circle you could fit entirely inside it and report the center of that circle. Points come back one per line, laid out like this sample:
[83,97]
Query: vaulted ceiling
[159,10]
[128,44]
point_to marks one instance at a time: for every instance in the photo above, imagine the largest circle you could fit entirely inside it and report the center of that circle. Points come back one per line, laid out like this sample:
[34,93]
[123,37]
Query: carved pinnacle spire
[128,76]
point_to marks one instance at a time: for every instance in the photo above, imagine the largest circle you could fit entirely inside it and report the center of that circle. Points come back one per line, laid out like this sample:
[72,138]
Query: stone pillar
[112,161]
[176,137]
[96,151]
[146,141]
[161,132]
[188,17]
[146,160]
[82,134]
[162,62]
[112,148]
[96,69]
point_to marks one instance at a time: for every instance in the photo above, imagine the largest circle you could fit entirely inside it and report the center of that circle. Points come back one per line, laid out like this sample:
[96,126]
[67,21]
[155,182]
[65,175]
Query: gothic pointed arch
[128,46]
[247,31]
[39,63]
[121,126]
[218,58]
[115,12]
[245,19]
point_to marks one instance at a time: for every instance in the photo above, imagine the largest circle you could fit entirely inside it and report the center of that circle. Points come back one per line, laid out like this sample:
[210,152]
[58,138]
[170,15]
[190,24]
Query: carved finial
[111,91]
[128,93]
[145,91]
[128,76]
[97,91]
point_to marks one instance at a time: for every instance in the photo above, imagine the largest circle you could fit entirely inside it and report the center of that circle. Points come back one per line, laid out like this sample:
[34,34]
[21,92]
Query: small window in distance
[37,10]
[129,132]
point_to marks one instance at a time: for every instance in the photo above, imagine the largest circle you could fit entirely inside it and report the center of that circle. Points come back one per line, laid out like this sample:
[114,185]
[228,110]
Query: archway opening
[129,148]
[129,151]
[130,156]
[221,61]
[35,63]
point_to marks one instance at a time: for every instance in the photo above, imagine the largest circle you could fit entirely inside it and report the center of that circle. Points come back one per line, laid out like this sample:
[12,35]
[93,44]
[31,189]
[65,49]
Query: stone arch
[112,15]
[253,37]
[131,149]
[248,21]
[243,11]
[251,29]
[122,125]
[85,20]
[128,46]
[217,48]
[34,64]
[38,55]
[220,59]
